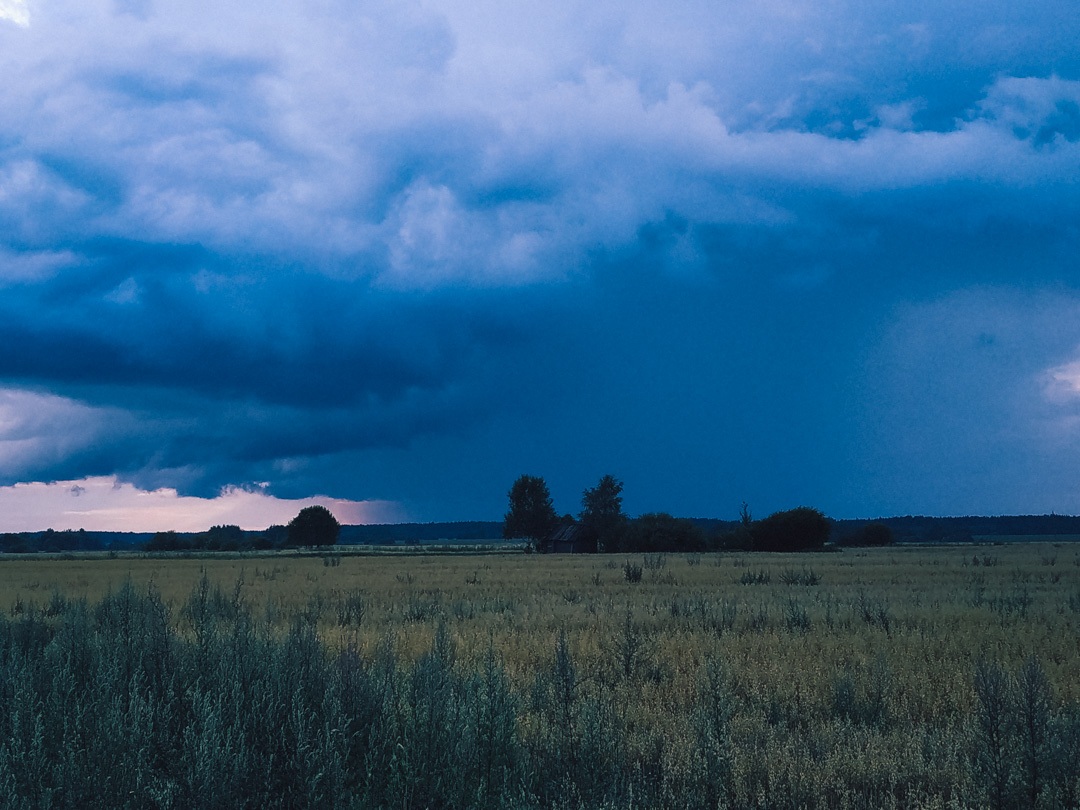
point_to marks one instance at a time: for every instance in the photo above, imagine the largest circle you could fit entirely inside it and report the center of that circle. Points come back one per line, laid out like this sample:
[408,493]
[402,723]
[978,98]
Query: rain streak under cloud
[401,253]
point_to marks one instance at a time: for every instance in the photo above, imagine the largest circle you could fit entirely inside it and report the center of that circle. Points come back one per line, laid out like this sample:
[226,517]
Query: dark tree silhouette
[659,531]
[223,538]
[798,529]
[602,520]
[872,534]
[165,541]
[313,526]
[532,514]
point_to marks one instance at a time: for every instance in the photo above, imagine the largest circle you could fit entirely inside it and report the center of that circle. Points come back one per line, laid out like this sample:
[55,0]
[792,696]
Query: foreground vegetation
[941,677]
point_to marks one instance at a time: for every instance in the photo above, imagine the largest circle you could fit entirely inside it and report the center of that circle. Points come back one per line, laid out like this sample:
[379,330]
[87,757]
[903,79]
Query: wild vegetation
[933,677]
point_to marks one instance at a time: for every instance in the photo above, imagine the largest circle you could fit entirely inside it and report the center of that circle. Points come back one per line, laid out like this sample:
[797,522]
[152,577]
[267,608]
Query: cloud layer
[408,251]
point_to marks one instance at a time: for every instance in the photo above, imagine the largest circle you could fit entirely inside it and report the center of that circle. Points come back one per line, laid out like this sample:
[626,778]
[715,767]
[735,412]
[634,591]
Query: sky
[395,254]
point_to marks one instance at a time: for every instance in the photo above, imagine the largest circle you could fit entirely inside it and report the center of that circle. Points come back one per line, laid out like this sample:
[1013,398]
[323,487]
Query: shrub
[654,562]
[351,610]
[796,618]
[751,577]
[631,647]
[806,576]
[995,742]
[1033,702]
[715,750]
[875,612]
[865,707]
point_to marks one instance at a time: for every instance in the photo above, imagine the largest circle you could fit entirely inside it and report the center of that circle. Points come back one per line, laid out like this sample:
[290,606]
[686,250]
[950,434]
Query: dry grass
[847,671]
[928,612]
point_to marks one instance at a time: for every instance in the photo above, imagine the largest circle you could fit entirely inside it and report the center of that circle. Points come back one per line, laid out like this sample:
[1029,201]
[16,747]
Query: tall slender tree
[602,520]
[532,513]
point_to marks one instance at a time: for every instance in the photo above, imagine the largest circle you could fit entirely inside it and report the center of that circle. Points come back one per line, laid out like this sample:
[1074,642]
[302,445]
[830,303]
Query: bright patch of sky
[15,11]
[106,504]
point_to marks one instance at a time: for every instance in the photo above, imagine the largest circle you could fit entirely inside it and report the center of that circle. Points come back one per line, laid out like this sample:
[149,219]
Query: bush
[806,576]
[751,577]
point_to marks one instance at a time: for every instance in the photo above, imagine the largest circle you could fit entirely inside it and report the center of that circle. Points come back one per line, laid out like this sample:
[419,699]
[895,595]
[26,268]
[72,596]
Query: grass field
[857,678]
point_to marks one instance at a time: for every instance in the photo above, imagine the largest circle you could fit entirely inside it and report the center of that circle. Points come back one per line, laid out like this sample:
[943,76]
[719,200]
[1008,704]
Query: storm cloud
[776,252]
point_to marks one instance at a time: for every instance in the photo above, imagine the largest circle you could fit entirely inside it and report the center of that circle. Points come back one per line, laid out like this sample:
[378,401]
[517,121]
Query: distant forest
[905,529]
[964,529]
[231,538]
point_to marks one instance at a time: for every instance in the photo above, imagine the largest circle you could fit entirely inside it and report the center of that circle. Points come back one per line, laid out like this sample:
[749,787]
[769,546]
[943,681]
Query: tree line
[312,526]
[603,527]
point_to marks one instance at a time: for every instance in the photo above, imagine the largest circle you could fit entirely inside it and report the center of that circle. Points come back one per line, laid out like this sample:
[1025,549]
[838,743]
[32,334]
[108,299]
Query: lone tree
[799,529]
[532,513]
[313,526]
[602,521]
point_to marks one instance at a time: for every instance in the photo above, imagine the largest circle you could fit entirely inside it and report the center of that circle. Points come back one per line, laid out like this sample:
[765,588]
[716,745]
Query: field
[905,677]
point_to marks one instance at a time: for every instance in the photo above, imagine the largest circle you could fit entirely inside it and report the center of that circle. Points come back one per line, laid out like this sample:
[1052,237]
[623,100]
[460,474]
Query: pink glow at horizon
[105,504]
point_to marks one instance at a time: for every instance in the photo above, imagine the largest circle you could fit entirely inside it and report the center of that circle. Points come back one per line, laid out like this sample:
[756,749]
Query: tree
[741,537]
[223,538]
[313,526]
[532,513]
[602,520]
[872,534]
[798,529]
[165,541]
[659,531]
[274,536]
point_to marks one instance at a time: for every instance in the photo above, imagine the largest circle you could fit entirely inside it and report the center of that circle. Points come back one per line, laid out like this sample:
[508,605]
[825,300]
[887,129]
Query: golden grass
[922,616]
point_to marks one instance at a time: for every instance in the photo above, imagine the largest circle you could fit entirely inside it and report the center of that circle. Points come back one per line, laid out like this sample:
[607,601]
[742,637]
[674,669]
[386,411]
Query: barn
[567,539]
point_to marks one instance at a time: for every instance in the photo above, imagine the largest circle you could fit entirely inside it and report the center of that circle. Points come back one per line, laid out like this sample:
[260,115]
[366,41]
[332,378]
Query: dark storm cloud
[218,371]
[364,250]
[181,319]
